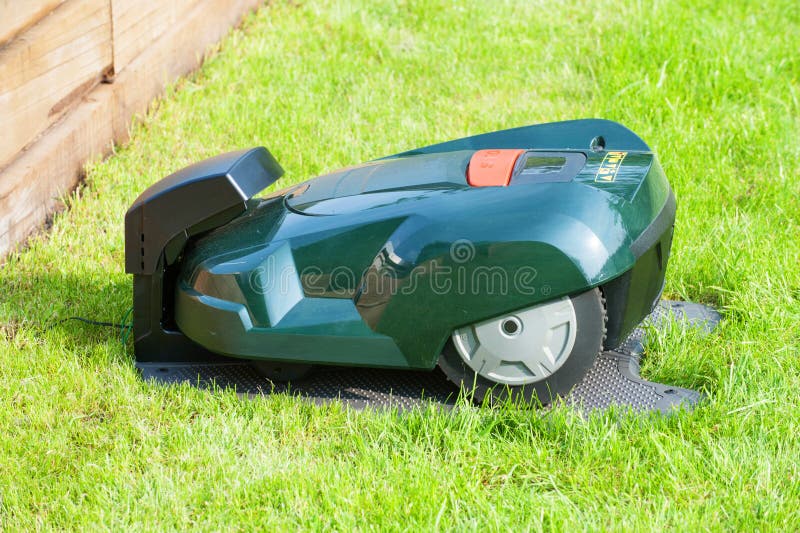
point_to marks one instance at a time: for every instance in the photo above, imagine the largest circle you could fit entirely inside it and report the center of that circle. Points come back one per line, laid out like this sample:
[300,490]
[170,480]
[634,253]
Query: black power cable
[124,326]
[91,322]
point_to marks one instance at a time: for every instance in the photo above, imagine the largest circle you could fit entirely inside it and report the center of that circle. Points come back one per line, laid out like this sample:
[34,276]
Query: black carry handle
[197,198]
[193,200]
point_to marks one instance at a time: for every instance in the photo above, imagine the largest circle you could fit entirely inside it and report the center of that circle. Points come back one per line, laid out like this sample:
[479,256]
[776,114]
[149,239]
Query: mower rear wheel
[533,354]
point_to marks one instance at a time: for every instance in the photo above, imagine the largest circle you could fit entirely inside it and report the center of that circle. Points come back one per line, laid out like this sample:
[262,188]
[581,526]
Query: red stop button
[492,168]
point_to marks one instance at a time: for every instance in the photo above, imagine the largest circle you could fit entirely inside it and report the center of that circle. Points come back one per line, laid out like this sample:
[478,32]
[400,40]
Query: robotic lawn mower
[510,260]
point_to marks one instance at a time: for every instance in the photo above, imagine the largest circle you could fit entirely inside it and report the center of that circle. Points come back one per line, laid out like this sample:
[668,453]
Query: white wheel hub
[522,347]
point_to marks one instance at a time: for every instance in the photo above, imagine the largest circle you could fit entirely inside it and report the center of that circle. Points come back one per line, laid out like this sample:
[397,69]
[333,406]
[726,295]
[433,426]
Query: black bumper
[633,295]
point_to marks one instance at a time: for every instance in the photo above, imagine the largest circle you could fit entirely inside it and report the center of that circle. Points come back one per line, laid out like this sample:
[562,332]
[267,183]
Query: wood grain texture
[47,69]
[18,15]
[30,186]
[139,23]
[176,53]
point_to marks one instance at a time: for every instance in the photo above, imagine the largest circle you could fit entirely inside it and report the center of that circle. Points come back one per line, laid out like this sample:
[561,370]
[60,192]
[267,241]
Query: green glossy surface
[408,252]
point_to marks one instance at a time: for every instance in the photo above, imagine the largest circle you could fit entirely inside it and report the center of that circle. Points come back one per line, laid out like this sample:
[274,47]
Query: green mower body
[385,263]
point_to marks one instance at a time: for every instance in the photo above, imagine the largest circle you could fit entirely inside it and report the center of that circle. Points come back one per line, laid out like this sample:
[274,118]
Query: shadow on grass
[82,310]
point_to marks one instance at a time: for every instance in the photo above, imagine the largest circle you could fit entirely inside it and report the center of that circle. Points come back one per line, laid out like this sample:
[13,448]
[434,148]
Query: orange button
[489,168]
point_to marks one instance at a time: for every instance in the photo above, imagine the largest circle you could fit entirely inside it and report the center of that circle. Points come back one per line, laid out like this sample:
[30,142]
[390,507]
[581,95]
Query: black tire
[590,317]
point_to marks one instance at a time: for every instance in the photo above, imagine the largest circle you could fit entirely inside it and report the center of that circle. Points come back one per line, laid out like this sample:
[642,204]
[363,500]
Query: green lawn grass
[712,86]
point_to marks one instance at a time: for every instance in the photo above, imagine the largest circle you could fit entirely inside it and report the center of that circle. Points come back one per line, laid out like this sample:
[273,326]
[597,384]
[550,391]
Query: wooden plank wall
[18,15]
[55,56]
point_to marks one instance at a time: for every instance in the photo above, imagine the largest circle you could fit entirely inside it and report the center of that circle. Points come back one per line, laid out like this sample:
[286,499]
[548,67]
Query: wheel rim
[522,347]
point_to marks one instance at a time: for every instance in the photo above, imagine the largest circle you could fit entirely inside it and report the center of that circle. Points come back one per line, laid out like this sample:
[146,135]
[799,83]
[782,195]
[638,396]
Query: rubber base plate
[614,379]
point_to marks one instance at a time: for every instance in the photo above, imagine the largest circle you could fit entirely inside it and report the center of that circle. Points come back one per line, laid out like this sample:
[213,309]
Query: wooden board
[18,15]
[49,67]
[177,52]
[31,185]
[138,23]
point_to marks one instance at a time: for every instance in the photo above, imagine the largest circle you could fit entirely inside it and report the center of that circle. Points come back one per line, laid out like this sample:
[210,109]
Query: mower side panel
[413,271]
[313,330]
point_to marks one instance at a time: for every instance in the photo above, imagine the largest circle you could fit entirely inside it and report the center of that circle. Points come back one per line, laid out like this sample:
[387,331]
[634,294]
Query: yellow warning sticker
[609,167]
